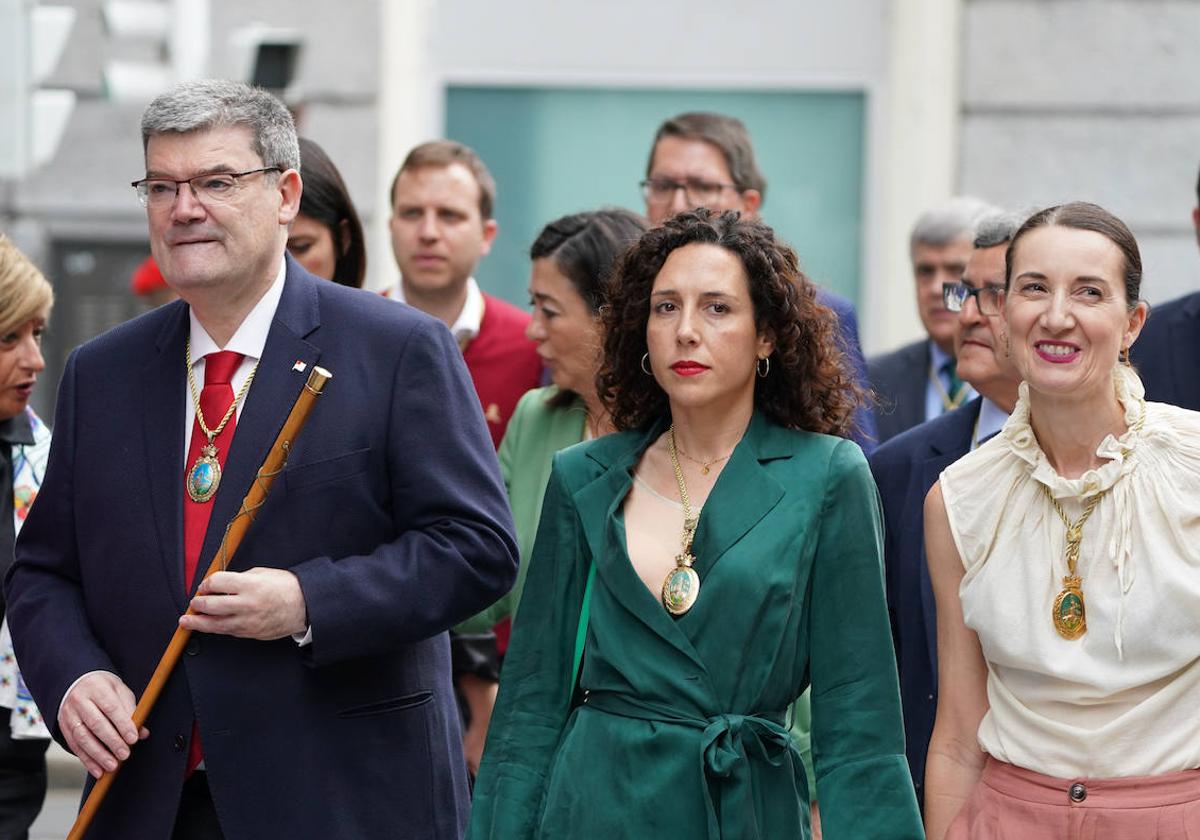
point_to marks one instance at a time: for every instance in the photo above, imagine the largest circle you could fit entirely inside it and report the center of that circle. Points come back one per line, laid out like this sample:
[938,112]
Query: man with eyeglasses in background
[918,381]
[314,699]
[703,159]
[908,465]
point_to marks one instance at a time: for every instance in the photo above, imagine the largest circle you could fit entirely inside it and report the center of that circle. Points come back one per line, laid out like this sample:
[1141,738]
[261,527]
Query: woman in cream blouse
[1064,555]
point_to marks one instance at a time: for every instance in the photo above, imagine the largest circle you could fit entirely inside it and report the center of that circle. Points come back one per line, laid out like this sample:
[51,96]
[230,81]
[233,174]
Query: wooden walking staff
[271,467]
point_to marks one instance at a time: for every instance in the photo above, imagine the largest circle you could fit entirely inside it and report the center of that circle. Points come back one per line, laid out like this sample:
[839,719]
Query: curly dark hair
[811,383]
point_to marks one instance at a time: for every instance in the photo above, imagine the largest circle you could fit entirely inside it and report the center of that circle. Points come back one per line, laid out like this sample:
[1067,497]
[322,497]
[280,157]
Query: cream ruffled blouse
[1123,699]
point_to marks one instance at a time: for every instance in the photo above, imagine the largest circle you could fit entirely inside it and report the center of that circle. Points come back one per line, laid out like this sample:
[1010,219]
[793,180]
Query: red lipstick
[687,367]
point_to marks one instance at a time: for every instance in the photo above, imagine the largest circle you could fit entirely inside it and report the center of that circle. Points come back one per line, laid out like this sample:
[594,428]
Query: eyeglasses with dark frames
[989,298]
[699,193]
[210,189]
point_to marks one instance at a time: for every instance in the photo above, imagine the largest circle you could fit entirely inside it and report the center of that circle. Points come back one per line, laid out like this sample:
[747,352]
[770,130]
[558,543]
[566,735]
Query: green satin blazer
[681,732]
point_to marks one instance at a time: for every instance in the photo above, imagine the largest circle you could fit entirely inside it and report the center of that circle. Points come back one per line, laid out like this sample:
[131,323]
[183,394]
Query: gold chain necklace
[682,585]
[948,403]
[1069,614]
[205,475]
[705,466]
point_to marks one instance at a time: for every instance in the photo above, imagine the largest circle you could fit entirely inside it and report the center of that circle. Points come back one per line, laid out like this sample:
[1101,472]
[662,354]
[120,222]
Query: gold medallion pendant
[681,586]
[204,477]
[1069,615]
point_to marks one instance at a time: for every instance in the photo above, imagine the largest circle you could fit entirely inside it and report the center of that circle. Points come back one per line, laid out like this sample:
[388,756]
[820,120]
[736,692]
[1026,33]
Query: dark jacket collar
[17,430]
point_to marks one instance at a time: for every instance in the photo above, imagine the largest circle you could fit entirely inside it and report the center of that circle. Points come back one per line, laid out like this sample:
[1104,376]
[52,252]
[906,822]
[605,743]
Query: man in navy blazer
[318,675]
[1167,352]
[703,159]
[908,465]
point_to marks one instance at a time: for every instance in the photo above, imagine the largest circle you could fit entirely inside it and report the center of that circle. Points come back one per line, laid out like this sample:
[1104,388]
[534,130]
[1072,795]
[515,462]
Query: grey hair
[996,229]
[217,103]
[950,221]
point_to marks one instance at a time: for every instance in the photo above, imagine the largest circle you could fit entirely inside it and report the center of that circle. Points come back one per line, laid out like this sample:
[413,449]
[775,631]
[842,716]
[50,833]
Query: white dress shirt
[990,421]
[466,326]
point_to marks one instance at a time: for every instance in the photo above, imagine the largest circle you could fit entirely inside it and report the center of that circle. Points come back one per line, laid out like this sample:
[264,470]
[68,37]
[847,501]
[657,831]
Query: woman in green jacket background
[572,260]
[729,548]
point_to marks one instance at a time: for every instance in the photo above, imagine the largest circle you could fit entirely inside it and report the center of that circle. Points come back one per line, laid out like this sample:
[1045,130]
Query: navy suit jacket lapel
[952,441]
[910,393]
[269,401]
[164,391]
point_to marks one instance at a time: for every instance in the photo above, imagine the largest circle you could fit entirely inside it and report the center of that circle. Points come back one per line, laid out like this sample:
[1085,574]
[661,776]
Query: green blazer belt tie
[729,744]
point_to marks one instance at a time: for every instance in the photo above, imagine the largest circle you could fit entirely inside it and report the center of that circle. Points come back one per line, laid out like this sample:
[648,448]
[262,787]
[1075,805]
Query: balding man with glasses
[314,699]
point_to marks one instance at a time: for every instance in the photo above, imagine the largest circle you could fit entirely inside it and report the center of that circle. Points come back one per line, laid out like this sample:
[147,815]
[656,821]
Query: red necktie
[215,399]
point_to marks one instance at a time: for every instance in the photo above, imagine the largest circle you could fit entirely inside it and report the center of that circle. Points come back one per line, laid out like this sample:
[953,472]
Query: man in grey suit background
[918,382]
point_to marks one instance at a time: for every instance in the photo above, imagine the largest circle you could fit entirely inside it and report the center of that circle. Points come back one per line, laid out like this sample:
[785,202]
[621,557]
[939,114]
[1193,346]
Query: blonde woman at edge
[25,301]
[1065,559]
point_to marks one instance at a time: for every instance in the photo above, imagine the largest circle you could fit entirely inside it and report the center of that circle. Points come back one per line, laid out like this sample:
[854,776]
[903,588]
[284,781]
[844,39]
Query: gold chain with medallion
[204,477]
[682,585]
[1069,612]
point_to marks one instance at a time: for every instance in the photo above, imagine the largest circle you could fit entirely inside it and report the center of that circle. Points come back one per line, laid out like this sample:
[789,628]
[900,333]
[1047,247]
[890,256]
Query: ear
[344,236]
[490,229]
[290,187]
[751,201]
[766,343]
[1137,320]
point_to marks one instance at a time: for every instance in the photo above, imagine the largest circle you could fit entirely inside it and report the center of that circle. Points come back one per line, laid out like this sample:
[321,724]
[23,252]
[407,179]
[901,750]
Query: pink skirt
[1011,803]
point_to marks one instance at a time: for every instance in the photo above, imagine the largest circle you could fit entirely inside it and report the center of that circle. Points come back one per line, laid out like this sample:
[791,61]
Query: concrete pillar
[410,109]
[919,156]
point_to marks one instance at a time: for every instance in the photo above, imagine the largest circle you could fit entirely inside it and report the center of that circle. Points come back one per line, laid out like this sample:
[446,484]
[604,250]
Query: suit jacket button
[193,646]
[1078,792]
[180,743]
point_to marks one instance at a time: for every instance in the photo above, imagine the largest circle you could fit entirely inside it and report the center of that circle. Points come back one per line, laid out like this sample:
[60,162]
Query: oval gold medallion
[1070,618]
[680,590]
[204,477]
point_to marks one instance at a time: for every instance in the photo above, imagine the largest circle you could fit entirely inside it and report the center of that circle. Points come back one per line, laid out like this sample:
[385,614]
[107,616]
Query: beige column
[410,110]
[919,155]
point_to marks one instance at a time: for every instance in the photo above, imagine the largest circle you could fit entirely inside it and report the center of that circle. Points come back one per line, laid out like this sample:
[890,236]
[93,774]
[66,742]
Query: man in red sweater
[442,226]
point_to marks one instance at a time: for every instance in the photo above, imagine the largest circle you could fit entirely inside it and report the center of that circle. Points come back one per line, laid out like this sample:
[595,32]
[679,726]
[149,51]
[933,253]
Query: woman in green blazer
[727,548]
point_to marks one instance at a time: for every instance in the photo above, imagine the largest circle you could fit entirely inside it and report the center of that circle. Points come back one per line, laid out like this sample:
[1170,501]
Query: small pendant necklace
[1069,614]
[682,585]
[704,466]
[204,477]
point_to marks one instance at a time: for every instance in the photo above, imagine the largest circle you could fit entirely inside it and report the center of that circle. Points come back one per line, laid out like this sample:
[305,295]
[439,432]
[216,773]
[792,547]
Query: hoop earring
[763,366]
[1007,346]
[646,364]
[1123,356]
